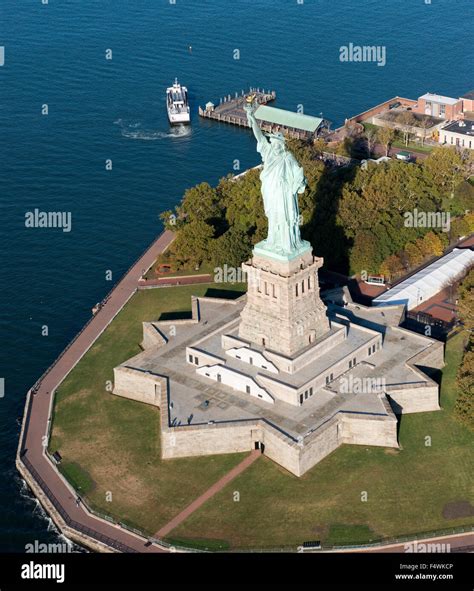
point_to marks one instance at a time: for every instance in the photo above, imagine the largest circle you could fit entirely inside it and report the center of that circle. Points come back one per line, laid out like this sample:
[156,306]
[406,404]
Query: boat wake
[133,130]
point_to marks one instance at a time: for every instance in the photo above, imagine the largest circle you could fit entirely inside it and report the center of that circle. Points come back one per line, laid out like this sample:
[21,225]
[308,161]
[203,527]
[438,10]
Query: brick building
[468,101]
[436,105]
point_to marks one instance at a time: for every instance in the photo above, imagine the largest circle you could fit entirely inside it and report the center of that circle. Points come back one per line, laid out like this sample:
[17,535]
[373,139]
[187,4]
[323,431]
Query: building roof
[469,95]
[429,281]
[288,118]
[465,126]
[438,98]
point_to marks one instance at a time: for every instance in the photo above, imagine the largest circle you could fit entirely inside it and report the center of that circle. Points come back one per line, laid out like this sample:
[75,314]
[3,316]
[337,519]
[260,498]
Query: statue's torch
[249,108]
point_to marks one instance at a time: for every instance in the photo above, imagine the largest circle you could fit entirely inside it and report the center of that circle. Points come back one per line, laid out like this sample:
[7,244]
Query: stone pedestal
[284,312]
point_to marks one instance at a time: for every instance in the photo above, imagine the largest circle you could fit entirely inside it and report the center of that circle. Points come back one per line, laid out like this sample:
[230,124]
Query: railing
[405,539]
[71,522]
[136,530]
[91,532]
[29,466]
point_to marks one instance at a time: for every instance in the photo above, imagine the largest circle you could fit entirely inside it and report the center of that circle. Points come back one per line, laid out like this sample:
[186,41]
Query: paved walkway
[37,426]
[210,492]
[463,542]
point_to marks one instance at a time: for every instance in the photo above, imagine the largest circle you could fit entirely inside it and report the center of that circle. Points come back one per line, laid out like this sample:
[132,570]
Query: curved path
[462,542]
[38,410]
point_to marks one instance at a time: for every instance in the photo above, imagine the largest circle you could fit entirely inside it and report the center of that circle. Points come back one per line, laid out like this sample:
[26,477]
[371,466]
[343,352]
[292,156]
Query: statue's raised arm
[258,133]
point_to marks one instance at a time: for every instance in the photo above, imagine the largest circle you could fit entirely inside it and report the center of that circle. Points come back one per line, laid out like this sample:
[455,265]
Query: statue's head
[277,141]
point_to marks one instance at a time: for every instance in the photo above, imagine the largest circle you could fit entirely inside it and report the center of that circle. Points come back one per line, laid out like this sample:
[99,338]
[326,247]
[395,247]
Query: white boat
[177,104]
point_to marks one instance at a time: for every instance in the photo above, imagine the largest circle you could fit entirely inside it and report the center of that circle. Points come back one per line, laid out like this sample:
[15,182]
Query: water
[99,109]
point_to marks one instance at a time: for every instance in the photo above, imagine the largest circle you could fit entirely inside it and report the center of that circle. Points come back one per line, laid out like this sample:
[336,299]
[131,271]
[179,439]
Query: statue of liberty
[282,179]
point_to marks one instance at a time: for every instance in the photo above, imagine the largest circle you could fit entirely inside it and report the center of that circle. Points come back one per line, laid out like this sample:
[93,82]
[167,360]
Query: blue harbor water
[115,109]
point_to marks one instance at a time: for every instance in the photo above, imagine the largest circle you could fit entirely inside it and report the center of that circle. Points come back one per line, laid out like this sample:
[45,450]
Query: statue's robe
[282,179]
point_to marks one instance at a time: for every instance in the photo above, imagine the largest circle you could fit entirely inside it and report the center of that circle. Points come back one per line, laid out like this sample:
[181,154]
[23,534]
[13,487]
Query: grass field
[398,143]
[111,446]
[407,489]
[412,147]
[204,269]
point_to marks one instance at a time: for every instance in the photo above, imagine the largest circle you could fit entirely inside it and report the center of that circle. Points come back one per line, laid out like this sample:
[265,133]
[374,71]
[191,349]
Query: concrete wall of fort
[414,399]
[433,356]
[152,336]
[138,385]
[373,430]
[281,450]
[319,444]
[207,439]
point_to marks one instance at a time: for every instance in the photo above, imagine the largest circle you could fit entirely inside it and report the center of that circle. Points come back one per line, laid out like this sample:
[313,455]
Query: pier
[231,108]
[294,125]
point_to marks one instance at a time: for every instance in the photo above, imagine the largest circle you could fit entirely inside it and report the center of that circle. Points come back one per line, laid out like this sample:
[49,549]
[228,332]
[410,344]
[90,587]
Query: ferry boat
[177,104]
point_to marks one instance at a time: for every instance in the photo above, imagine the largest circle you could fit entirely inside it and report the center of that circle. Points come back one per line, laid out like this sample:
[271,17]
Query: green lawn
[204,269]
[406,489]
[368,126]
[111,446]
[111,454]
[412,147]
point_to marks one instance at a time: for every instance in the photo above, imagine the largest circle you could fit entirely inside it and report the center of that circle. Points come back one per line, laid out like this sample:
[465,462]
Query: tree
[370,136]
[466,301]
[365,256]
[193,241]
[414,254]
[385,135]
[424,123]
[463,199]
[464,407]
[200,203]
[459,227]
[469,219]
[447,168]
[345,147]
[231,249]
[431,245]
[319,146]
[407,120]
[391,267]
[242,204]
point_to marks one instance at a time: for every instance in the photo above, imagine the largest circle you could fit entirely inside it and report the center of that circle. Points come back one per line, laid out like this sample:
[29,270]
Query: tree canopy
[354,218]
[464,407]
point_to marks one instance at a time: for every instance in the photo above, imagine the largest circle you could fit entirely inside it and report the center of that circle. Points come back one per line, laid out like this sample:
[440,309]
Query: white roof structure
[288,118]
[429,281]
[438,98]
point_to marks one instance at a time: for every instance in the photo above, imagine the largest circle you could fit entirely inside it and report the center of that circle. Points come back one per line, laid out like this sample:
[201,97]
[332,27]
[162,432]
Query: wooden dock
[231,108]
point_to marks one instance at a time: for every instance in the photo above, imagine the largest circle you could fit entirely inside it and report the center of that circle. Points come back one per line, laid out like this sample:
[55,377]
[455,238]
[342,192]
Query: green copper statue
[282,179]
